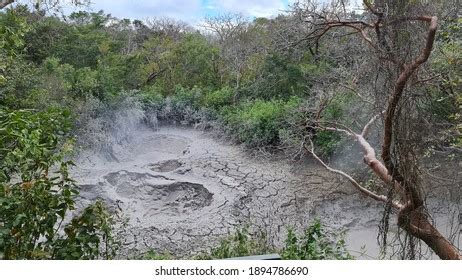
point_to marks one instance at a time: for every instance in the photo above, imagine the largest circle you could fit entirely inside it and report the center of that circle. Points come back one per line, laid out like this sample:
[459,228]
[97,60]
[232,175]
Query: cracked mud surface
[181,191]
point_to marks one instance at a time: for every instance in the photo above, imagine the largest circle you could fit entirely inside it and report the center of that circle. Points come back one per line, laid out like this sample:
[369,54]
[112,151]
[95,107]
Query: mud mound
[133,179]
[153,194]
[180,197]
[166,166]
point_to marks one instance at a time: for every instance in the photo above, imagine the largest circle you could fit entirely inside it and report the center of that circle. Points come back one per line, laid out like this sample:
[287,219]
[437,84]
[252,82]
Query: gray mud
[180,191]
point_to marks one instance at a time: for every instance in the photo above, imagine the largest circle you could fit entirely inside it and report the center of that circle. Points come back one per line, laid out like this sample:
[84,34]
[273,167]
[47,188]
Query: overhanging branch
[381,198]
[4,3]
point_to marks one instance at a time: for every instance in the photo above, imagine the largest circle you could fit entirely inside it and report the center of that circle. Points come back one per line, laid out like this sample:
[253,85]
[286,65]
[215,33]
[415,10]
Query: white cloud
[186,10]
[191,11]
[256,8]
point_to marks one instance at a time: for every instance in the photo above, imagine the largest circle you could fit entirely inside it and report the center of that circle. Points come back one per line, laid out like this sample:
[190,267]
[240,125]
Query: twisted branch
[4,3]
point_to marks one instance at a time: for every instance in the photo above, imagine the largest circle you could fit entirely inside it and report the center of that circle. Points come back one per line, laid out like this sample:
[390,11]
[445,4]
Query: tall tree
[401,35]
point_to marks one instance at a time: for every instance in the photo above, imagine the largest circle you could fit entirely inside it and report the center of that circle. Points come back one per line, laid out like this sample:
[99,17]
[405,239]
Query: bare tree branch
[369,157]
[355,183]
[358,94]
[4,3]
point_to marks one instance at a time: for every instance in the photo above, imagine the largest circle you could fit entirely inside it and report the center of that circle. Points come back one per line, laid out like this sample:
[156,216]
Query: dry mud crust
[181,191]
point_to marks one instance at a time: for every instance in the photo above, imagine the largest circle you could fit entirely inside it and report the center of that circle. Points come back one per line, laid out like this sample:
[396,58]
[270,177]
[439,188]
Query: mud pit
[181,191]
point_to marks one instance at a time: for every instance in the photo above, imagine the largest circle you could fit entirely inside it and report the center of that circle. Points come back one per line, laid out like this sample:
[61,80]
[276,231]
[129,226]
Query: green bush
[280,78]
[86,83]
[184,107]
[444,98]
[238,245]
[340,109]
[340,106]
[327,142]
[19,80]
[36,193]
[218,99]
[185,97]
[315,244]
[152,98]
[153,255]
[257,123]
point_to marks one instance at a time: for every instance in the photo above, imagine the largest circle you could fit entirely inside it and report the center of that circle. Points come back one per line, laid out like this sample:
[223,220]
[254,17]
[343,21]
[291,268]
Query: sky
[191,11]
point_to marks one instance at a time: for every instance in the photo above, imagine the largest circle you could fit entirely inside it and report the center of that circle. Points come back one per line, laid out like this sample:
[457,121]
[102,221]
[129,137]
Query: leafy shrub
[218,99]
[13,27]
[341,108]
[88,235]
[19,79]
[280,78]
[327,142]
[29,141]
[36,193]
[257,123]
[86,83]
[445,97]
[238,245]
[185,97]
[153,255]
[184,107]
[315,244]
[152,97]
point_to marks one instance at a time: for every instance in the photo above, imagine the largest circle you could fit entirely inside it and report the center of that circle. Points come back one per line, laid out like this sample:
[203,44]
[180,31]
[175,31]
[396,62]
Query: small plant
[240,244]
[315,244]
[153,255]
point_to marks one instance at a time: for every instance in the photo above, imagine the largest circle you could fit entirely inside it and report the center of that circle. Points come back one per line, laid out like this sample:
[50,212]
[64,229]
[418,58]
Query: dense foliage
[36,193]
